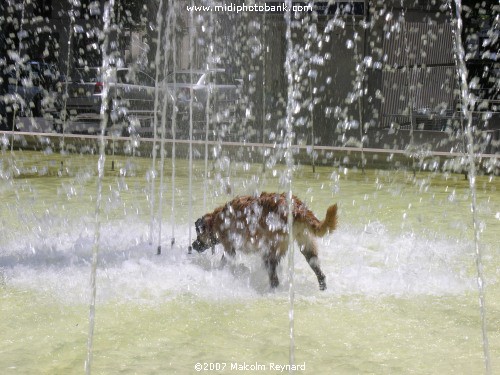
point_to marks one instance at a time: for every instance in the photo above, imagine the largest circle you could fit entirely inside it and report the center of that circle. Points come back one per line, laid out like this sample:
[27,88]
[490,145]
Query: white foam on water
[376,262]
[356,261]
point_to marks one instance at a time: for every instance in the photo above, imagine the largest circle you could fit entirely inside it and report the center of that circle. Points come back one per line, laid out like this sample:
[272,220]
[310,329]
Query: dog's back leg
[309,249]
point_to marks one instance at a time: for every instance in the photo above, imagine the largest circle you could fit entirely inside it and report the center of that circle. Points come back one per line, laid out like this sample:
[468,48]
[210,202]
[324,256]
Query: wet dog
[259,224]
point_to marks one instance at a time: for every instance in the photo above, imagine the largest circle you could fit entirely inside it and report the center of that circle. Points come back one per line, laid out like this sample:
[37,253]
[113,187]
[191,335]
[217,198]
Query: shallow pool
[402,293]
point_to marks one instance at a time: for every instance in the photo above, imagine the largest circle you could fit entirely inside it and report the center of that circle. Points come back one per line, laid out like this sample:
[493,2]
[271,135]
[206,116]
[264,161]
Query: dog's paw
[274,282]
[322,283]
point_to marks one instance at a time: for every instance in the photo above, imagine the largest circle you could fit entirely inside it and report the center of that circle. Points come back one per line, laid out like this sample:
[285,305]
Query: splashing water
[371,262]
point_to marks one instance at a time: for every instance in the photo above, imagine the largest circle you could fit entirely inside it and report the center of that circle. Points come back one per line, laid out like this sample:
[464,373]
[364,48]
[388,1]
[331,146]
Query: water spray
[290,71]
[173,122]
[467,106]
[108,8]
[159,23]
[190,206]
[163,129]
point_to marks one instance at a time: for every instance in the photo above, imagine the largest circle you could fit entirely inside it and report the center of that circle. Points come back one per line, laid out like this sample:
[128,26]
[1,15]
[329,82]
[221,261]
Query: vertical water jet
[65,94]
[173,118]
[190,188]
[411,101]
[210,30]
[18,66]
[467,107]
[163,128]
[152,174]
[288,174]
[107,18]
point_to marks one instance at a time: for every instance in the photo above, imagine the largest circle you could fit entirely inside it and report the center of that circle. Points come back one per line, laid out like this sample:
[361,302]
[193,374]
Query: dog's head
[205,237]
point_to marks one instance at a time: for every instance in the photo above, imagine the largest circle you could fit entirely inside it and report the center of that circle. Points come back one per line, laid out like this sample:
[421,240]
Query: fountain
[381,106]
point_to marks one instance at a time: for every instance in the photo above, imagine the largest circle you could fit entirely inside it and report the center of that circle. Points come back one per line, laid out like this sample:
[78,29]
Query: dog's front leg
[223,260]
[271,264]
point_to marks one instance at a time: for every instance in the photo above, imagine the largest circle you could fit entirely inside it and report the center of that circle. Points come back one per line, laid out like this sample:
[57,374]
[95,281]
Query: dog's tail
[320,228]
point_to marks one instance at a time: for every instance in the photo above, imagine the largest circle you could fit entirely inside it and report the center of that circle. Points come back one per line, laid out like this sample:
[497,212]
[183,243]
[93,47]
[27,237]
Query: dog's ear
[200,226]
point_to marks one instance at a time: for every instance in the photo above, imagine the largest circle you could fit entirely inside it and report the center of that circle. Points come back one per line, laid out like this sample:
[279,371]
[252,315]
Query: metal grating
[420,68]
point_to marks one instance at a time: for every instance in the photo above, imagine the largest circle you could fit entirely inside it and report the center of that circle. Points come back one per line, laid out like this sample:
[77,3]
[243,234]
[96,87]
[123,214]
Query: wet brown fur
[259,224]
